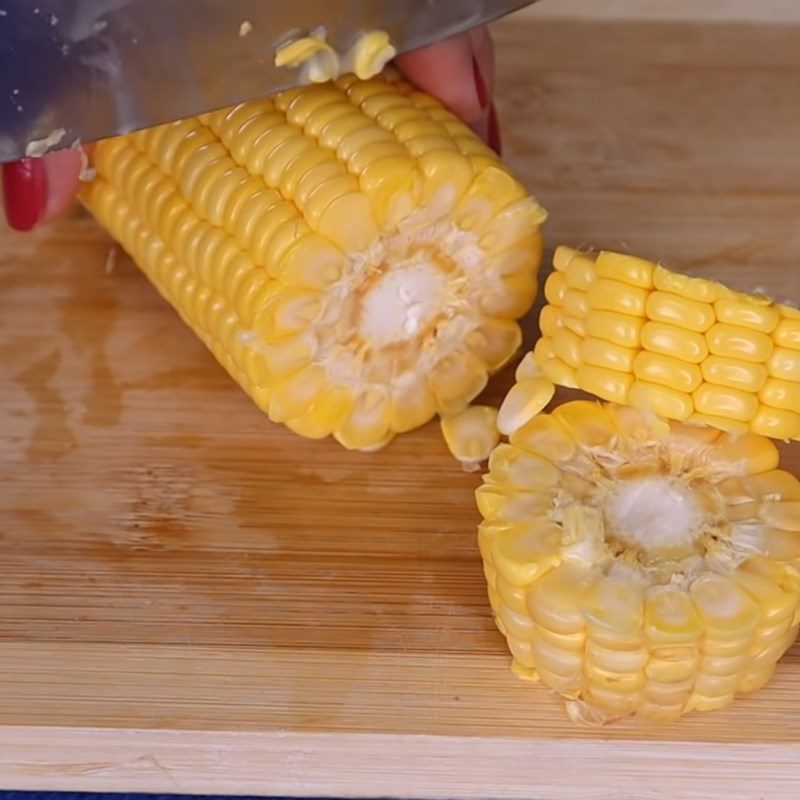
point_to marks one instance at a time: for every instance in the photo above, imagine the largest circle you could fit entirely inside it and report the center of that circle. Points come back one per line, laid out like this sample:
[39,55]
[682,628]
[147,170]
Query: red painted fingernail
[24,192]
[494,139]
[480,84]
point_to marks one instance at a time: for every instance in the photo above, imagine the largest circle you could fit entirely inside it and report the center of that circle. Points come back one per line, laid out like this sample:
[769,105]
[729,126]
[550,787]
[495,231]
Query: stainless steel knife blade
[79,70]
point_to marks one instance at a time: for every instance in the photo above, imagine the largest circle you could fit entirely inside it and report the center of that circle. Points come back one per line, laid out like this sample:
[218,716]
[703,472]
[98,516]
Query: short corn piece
[630,331]
[350,252]
[639,566]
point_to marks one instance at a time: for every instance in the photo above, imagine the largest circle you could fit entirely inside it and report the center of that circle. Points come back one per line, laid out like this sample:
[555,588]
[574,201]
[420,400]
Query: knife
[75,71]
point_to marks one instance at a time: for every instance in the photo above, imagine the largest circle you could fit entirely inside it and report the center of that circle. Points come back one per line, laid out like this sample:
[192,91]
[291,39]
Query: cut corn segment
[657,572]
[349,251]
[684,348]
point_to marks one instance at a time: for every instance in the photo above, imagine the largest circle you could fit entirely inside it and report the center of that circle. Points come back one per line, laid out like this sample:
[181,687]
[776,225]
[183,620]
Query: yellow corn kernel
[575,324]
[780,394]
[787,334]
[604,383]
[723,401]
[672,340]
[667,371]
[784,364]
[601,353]
[735,374]
[681,311]
[580,272]
[559,373]
[620,329]
[550,321]
[527,552]
[563,256]
[661,400]
[543,351]
[699,289]
[575,303]
[554,288]
[606,294]
[332,267]
[471,435]
[567,347]
[628,269]
[778,423]
[732,341]
[747,312]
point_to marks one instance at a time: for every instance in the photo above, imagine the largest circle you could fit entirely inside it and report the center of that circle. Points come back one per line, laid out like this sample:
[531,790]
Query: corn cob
[350,252]
[632,332]
[639,566]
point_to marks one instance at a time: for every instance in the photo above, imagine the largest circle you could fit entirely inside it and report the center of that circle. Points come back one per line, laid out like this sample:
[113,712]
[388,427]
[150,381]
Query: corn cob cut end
[637,566]
[350,252]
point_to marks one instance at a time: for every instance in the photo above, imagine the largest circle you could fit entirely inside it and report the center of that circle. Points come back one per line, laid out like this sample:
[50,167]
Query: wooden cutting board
[193,599]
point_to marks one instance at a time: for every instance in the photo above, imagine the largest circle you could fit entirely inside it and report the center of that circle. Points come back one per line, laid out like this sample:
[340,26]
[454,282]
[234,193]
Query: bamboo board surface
[192,599]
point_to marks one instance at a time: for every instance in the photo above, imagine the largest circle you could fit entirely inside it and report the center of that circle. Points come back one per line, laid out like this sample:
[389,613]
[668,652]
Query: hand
[459,71]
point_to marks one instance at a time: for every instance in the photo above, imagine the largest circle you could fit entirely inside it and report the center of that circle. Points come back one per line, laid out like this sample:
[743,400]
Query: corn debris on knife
[351,252]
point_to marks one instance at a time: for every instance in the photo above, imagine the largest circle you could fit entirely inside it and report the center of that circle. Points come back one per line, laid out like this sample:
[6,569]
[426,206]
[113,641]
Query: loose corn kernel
[523,402]
[471,435]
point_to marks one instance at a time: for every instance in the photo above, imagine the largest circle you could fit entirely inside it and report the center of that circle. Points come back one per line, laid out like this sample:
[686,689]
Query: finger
[38,189]
[446,71]
[63,170]
[441,69]
[24,193]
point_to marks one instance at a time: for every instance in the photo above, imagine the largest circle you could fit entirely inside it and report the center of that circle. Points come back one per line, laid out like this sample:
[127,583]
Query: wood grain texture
[193,599]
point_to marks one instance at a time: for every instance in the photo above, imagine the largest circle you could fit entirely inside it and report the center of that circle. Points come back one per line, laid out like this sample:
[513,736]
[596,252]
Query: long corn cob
[350,252]
[639,566]
[630,331]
